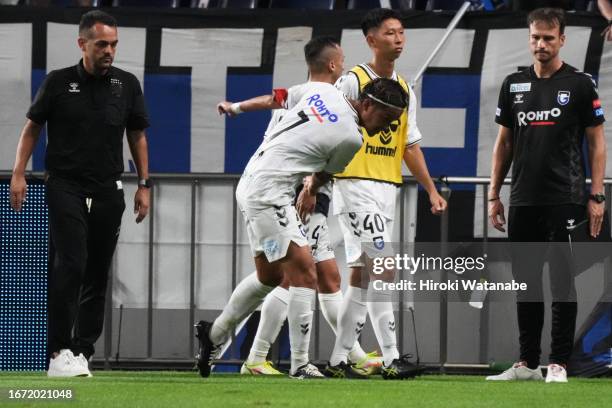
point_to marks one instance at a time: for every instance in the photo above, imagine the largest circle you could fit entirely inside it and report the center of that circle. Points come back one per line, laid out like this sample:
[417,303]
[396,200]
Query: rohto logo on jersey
[318,108]
[563,97]
[538,118]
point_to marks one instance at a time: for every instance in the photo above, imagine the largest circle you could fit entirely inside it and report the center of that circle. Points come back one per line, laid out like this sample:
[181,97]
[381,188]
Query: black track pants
[83,235]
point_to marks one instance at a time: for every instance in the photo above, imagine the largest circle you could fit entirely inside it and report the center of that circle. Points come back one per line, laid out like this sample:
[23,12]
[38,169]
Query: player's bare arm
[500,164]
[605,8]
[27,142]
[415,160]
[597,158]
[262,102]
[138,148]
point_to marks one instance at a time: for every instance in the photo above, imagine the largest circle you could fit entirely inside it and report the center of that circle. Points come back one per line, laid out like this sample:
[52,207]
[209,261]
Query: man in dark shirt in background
[87,108]
[544,112]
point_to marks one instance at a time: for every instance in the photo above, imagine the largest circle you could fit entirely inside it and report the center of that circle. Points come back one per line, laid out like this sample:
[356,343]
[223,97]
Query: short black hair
[551,16]
[313,52]
[92,17]
[385,92]
[375,17]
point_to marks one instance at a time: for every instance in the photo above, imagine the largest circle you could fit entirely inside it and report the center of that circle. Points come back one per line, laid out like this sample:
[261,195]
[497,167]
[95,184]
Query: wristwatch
[146,183]
[598,198]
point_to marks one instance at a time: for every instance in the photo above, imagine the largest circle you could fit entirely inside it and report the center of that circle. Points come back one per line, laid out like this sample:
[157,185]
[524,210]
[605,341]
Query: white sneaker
[83,361]
[66,365]
[556,373]
[518,372]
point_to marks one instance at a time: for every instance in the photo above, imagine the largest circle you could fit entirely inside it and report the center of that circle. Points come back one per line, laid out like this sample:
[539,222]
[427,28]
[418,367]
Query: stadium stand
[362,4]
[146,3]
[232,4]
[297,4]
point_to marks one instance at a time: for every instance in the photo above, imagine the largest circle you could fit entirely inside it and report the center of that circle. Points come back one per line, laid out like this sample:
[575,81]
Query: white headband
[384,103]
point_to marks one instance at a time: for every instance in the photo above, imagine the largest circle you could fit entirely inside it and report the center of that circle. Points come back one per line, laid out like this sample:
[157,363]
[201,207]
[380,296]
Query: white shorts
[371,229]
[356,195]
[318,238]
[271,231]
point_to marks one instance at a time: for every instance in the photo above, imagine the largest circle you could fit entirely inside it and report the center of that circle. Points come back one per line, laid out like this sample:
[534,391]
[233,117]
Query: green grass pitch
[148,389]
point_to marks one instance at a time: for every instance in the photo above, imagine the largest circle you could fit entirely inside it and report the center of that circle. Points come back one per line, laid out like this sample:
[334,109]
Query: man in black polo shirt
[87,108]
[544,112]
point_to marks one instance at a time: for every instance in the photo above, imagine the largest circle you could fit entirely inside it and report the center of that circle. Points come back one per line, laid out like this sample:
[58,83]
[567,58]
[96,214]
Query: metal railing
[196,180]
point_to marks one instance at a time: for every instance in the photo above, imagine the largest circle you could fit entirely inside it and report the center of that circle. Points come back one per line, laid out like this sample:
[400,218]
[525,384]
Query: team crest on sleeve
[563,97]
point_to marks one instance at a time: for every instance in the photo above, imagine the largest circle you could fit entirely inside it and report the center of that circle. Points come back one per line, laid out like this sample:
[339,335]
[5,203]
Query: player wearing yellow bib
[364,195]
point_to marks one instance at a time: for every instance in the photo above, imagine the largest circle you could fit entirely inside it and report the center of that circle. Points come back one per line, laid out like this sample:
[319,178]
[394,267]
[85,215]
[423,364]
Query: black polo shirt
[86,119]
[548,117]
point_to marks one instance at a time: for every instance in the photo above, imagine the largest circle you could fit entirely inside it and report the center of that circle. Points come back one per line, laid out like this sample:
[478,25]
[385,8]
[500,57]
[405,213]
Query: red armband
[280,96]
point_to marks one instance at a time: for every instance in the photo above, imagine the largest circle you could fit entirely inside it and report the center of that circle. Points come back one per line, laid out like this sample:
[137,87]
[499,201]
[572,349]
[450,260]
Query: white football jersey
[319,133]
[292,97]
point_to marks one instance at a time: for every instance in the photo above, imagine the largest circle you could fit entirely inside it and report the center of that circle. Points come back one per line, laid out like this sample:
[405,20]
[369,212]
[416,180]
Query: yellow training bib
[380,157]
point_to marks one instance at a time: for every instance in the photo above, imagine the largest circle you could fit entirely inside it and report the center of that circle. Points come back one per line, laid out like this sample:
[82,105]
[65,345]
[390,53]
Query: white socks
[300,324]
[330,307]
[352,317]
[383,322]
[273,315]
[249,294]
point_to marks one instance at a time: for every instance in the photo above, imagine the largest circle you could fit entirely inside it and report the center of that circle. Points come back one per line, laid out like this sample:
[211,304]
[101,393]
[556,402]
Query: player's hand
[225,108]
[305,204]
[496,215]
[307,184]
[142,200]
[438,204]
[596,213]
[607,33]
[19,190]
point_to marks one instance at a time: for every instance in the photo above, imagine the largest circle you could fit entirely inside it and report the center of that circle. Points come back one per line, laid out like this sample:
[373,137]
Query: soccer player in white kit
[364,197]
[318,136]
[324,59]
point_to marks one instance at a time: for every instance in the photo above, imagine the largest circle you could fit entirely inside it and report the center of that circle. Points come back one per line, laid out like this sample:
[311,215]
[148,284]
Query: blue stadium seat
[145,3]
[300,4]
[362,4]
